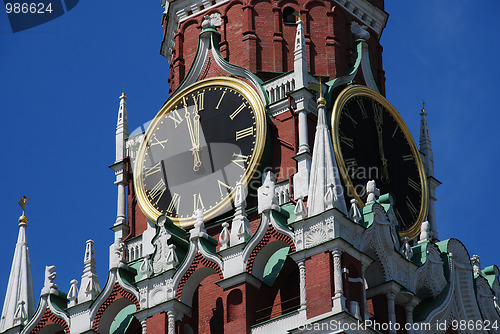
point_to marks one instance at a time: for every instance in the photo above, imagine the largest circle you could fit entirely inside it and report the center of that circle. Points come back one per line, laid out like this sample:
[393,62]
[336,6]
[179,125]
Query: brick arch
[117,293]
[50,318]
[270,236]
[199,262]
[286,3]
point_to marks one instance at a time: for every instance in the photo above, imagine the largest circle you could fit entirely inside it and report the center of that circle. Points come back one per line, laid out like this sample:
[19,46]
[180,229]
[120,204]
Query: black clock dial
[202,143]
[373,143]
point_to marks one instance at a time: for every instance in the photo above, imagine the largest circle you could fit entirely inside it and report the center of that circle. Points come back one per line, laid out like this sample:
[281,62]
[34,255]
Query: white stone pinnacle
[19,303]
[324,172]
[89,287]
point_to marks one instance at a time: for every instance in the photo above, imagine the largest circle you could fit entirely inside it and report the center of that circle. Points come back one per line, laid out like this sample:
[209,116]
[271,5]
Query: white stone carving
[199,230]
[240,226]
[73,293]
[406,249]
[476,265]
[373,192]
[359,31]
[425,232]
[224,236]
[49,286]
[266,194]
[354,212]
[145,269]
[211,21]
[315,237]
[20,316]
[300,210]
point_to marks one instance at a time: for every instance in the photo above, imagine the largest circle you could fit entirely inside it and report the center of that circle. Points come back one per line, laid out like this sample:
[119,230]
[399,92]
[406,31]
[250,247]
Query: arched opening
[207,308]
[52,329]
[125,322]
[118,318]
[234,300]
[280,293]
[288,15]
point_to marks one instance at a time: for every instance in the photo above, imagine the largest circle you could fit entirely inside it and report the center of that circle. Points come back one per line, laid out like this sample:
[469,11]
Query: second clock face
[200,145]
[373,143]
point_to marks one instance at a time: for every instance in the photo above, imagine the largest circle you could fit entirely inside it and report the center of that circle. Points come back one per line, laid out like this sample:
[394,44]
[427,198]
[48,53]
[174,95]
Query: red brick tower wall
[255,36]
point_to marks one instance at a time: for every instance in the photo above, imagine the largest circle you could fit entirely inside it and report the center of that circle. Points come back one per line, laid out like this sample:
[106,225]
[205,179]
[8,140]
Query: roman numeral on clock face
[362,107]
[244,133]
[174,204]
[411,207]
[199,100]
[237,111]
[157,192]
[197,202]
[240,160]
[147,171]
[174,115]
[413,184]
[224,189]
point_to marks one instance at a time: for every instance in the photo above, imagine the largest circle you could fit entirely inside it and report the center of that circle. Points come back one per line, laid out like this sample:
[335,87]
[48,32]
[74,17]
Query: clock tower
[275,191]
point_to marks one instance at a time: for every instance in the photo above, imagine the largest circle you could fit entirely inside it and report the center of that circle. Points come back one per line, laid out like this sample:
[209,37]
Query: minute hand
[379,123]
[194,142]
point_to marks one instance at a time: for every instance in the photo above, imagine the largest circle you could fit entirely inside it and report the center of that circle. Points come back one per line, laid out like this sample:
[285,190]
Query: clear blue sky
[59,89]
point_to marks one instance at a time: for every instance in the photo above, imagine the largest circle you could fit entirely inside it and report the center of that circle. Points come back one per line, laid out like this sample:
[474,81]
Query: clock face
[373,143]
[203,141]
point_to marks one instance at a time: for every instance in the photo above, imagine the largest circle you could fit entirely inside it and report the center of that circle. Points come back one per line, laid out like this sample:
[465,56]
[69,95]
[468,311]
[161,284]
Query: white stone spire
[121,129]
[19,304]
[120,227]
[325,190]
[301,96]
[428,161]
[89,288]
[300,57]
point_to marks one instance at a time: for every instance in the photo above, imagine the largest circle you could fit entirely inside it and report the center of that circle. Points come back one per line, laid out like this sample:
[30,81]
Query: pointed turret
[120,167]
[19,304]
[428,161]
[325,190]
[121,129]
[301,95]
[89,288]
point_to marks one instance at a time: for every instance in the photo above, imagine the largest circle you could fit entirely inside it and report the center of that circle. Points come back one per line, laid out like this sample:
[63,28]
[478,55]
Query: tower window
[288,16]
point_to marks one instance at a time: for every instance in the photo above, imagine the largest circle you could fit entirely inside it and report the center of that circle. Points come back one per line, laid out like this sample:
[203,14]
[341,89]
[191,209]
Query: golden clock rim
[249,93]
[358,90]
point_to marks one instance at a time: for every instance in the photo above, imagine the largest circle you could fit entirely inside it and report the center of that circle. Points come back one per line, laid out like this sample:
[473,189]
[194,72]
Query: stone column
[391,310]
[171,322]
[302,283]
[144,326]
[409,317]
[365,308]
[338,296]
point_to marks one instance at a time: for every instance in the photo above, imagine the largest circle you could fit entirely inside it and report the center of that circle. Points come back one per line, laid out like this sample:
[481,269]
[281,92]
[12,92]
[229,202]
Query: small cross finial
[423,108]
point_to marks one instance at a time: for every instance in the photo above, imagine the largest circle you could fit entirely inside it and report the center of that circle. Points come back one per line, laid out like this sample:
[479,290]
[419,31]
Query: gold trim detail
[257,106]
[357,90]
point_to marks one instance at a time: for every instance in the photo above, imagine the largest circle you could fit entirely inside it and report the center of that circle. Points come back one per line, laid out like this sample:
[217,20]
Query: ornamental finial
[22,204]
[423,109]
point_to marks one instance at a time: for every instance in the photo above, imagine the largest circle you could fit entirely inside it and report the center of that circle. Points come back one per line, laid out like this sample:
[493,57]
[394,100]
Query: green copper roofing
[128,276]
[289,208]
[274,265]
[209,244]
[281,217]
[122,320]
[491,274]
[423,309]
[346,79]
[420,253]
[59,301]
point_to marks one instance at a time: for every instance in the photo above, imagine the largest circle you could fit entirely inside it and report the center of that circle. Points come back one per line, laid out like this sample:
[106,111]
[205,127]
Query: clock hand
[379,121]
[193,135]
